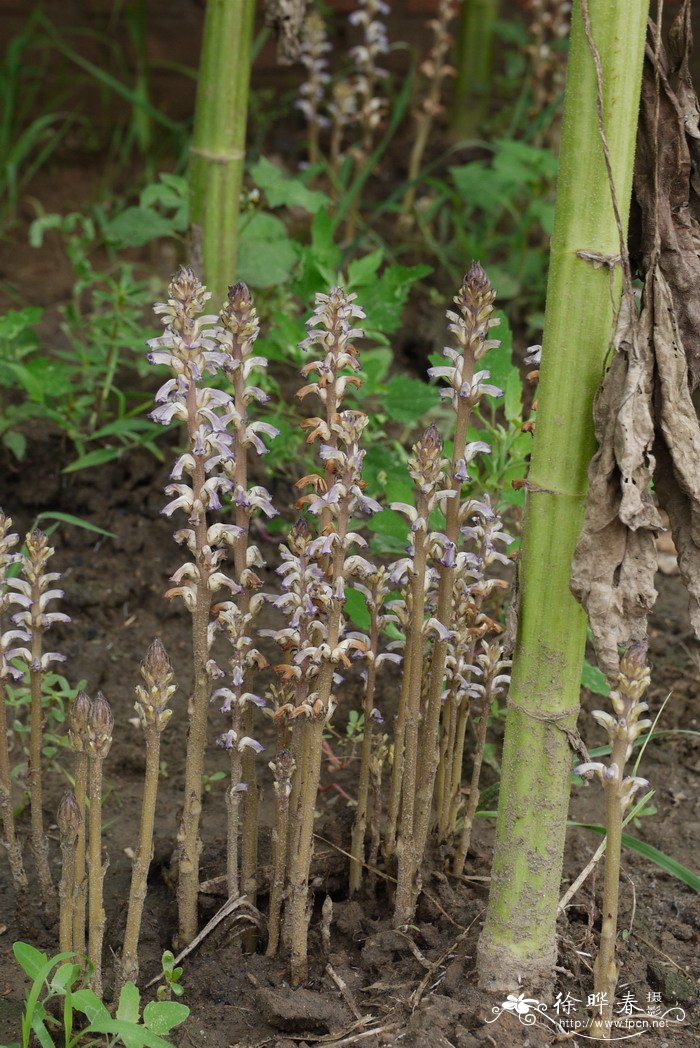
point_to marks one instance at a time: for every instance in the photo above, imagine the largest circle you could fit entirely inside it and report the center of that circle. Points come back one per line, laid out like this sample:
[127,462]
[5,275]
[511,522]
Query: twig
[347,996]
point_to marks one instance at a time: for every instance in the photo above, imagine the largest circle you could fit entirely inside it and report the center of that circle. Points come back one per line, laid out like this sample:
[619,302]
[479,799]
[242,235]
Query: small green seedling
[172,976]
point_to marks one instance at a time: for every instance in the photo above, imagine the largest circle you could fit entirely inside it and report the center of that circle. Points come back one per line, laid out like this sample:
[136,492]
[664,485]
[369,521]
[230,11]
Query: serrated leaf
[266,253]
[408,399]
[163,1016]
[362,270]
[283,190]
[136,226]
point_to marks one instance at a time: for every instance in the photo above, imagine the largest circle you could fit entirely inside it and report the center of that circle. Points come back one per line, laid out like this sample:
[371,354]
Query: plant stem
[218,142]
[518,941]
[605,969]
[283,769]
[474,62]
[96,913]
[81,776]
[473,799]
[69,820]
[357,847]
[129,967]
[40,845]
[9,839]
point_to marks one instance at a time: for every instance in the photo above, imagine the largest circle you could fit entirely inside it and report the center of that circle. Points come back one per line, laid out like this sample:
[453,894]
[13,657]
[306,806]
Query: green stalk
[218,143]
[518,940]
[474,63]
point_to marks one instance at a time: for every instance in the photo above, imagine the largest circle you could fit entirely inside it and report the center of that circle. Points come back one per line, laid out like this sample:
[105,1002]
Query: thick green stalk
[474,63]
[518,945]
[218,143]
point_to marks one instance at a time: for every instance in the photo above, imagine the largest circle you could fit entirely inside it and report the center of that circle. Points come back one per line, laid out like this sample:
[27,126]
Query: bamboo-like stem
[218,141]
[101,726]
[283,769]
[152,706]
[69,820]
[474,64]
[79,733]
[517,945]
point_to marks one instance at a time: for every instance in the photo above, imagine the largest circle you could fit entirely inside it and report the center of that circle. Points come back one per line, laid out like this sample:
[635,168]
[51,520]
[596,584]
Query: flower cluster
[33,594]
[9,639]
[623,728]
[153,696]
[435,67]
[366,56]
[315,46]
[244,658]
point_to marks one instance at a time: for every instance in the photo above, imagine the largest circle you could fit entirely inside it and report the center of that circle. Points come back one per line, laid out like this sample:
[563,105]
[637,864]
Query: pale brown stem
[473,799]
[96,913]
[280,836]
[66,893]
[233,800]
[408,858]
[10,841]
[396,780]
[40,845]
[129,967]
[605,968]
[198,710]
[81,775]
[375,816]
[442,783]
[357,848]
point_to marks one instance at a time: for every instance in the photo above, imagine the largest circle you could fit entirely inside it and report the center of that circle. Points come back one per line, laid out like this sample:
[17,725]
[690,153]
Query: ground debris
[645,421]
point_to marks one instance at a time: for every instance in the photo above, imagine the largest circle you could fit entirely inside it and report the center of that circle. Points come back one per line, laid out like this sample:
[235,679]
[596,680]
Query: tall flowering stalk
[152,698]
[69,821]
[622,729]
[466,386]
[9,638]
[33,593]
[435,69]
[315,47]
[314,572]
[491,666]
[374,588]
[79,735]
[483,532]
[188,347]
[236,335]
[100,727]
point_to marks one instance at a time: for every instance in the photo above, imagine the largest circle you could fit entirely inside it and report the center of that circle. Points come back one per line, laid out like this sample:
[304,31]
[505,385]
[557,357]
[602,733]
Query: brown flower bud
[69,818]
[151,700]
[79,721]
[299,537]
[101,727]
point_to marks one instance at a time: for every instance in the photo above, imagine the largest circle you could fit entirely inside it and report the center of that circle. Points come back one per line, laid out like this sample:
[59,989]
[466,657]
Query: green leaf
[129,1001]
[390,523]
[375,365]
[594,679]
[136,226]
[90,1005]
[408,399]
[363,270]
[29,958]
[132,1034]
[665,862]
[162,1016]
[17,443]
[513,399]
[266,253]
[383,299]
[65,976]
[283,190]
[77,522]
[96,457]
[356,608]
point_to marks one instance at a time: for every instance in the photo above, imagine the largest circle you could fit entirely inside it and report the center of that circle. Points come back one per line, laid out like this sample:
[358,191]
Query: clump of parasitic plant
[33,592]
[69,820]
[623,727]
[9,640]
[213,465]
[152,699]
